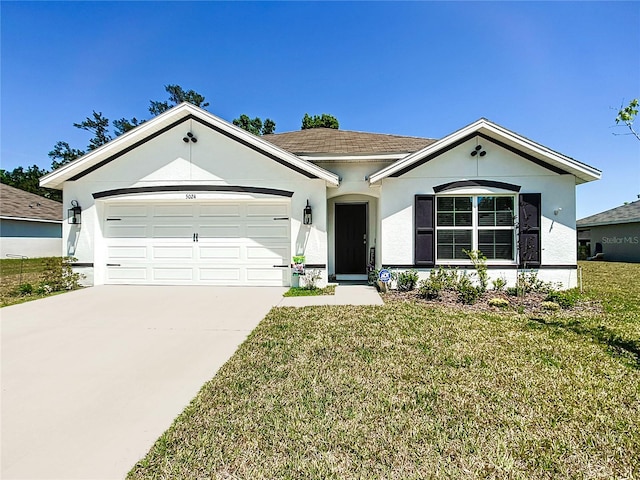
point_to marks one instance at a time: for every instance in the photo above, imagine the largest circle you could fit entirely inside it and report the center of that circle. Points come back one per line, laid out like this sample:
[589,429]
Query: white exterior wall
[558,237]
[214,160]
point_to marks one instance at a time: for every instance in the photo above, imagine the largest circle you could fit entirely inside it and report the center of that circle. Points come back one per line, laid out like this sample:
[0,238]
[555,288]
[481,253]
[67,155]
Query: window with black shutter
[424,230]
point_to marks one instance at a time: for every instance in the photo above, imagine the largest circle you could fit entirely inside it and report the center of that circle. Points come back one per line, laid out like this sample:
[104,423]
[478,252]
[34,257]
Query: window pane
[504,203]
[486,204]
[462,236]
[445,236]
[463,204]
[504,252]
[504,219]
[445,204]
[485,236]
[496,244]
[445,252]
[486,219]
[463,219]
[445,219]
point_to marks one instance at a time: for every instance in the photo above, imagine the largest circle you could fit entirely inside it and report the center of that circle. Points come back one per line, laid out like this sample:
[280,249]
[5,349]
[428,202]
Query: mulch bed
[530,304]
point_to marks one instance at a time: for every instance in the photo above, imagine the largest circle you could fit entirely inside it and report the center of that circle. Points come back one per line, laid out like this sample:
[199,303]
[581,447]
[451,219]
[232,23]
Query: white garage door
[230,243]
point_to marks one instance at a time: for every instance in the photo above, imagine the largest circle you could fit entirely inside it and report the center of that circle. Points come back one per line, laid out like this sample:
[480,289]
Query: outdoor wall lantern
[75,213]
[306,215]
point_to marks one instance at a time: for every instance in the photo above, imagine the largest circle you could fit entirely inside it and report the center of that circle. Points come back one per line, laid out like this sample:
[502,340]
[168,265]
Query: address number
[191,196]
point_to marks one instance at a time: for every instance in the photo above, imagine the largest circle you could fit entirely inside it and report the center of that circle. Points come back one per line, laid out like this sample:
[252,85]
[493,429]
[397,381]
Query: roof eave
[56,178]
[583,173]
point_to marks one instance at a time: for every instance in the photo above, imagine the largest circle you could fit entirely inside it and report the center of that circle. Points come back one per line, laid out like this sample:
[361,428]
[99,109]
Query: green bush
[480,263]
[407,280]
[430,288]
[468,293]
[564,298]
[499,284]
[25,289]
[529,282]
[58,275]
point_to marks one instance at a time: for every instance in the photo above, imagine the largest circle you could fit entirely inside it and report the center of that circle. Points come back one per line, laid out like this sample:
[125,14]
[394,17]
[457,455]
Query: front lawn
[412,390]
[310,292]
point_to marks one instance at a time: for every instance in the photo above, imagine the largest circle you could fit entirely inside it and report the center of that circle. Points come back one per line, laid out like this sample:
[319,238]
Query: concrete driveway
[91,378]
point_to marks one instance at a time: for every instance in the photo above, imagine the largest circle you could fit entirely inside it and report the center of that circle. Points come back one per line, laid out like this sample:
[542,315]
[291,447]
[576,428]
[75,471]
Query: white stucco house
[188,198]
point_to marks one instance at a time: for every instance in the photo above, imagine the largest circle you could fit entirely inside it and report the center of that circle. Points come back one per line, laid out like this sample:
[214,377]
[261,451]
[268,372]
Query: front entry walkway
[345,295]
[90,379]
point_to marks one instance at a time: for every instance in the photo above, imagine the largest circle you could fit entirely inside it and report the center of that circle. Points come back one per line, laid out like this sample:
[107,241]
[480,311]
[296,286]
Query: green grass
[16,272]
[305,292]
[412,391]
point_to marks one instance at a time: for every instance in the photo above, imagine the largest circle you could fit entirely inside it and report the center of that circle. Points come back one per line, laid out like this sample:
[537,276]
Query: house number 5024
[191,196]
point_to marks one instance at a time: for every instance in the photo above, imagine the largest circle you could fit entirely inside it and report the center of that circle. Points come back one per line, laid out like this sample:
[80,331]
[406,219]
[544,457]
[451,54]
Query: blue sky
[555,72]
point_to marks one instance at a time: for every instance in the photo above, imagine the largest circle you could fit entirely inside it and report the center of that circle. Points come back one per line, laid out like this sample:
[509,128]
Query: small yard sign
[384,275]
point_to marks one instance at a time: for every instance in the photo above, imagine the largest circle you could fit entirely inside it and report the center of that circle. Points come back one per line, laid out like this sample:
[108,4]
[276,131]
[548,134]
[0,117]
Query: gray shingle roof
[345,142]
[18,203]
[628,213]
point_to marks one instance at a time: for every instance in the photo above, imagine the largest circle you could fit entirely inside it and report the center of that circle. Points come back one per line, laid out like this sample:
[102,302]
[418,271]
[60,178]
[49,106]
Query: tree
[255,125]
[99,126]
[123,125]
[176,96]
[325,121]
[62,154]
[29,180]
[627,115]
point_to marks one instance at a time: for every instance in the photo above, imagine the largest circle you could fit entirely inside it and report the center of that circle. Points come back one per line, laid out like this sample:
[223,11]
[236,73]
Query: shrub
[551,306]
[311,278]
[58,274]
[499,302]
[430,288]
[407,280]
[564,298]
[468,293]
[480,264]
[499,284]
[25,289]
[529,282]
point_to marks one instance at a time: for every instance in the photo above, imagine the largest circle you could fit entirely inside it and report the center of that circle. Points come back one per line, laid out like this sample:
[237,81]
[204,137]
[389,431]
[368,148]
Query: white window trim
[475,227]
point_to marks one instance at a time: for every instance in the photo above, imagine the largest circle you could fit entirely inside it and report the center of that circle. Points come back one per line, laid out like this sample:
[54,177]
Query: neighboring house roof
[494,133]
[628,213]
[167,120]
[317,141]
[16,204]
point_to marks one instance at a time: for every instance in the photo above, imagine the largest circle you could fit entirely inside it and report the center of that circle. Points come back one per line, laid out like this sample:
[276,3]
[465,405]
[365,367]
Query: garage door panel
[165,253]
[174,211]
[121,230]
[119,211]
[275,254]
[225,211]
[220,231]
[219,252]
[222,275]
[173,273]
[127,252]
[122,274]
[173,231]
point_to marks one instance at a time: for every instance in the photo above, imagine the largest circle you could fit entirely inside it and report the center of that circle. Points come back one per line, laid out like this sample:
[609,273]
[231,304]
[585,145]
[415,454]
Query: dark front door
[351,238]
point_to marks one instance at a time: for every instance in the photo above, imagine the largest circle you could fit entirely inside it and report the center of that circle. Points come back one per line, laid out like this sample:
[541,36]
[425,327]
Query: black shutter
[425,230]
[530,217]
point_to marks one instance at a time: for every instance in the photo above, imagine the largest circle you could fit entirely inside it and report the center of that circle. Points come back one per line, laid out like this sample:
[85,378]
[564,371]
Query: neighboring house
[188,198]
[614,234]
[30,225]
